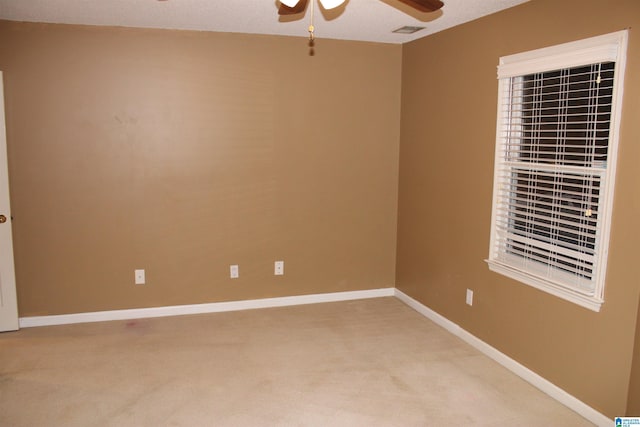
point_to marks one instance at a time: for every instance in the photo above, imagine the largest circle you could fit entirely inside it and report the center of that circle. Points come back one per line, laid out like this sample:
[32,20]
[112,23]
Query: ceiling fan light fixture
[289,3]
[330,4]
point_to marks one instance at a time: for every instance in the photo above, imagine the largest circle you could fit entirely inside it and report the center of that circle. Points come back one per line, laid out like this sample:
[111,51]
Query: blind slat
[543,247]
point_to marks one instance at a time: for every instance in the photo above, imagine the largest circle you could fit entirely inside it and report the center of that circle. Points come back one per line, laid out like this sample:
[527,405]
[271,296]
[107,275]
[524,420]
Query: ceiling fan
[292,7]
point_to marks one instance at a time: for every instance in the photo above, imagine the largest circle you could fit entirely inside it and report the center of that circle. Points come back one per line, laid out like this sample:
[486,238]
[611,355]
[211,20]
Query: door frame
[8,296]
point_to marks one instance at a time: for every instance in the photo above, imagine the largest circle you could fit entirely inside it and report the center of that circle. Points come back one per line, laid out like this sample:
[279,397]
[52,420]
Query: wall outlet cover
[139,277]
[278,268]
[234,271]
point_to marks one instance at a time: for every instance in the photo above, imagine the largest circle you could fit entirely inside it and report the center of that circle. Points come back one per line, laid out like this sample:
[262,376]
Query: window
[556,143]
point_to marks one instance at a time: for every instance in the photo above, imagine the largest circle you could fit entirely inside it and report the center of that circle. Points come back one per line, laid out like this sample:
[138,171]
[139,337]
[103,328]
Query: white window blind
[554,168]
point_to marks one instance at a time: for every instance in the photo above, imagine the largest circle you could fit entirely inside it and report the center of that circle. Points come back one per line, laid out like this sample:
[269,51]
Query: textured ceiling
[365,20]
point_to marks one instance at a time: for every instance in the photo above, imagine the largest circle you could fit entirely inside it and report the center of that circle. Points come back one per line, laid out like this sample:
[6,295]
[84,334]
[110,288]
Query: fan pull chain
[312,42]
[311,27]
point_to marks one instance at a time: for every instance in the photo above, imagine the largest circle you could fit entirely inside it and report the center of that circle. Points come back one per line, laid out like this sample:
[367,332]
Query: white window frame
[605,48]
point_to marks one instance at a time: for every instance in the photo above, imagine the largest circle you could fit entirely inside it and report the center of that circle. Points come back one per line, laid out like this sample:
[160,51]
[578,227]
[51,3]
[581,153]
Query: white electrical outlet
[234,271]
[139,277]
[469,297]
[278,268]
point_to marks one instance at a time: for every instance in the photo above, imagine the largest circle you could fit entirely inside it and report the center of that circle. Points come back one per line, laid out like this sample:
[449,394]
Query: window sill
[586,301]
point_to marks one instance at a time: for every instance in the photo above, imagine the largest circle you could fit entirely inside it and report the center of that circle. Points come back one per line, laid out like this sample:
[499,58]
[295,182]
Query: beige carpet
[360,363]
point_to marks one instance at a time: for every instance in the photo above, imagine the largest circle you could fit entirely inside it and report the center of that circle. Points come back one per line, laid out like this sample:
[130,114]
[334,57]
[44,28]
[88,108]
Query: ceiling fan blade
[330,4]
[298,7]
[424,5]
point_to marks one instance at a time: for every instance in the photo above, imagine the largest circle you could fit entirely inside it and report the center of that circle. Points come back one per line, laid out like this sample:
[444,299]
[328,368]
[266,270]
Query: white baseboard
[522,371]
[216,307]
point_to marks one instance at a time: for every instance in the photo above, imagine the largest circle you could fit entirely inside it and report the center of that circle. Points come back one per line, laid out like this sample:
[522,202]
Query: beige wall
[184,152]
[446,166]
[633,403]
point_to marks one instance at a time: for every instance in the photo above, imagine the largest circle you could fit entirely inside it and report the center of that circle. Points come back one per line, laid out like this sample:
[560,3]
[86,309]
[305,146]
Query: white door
[8,299]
